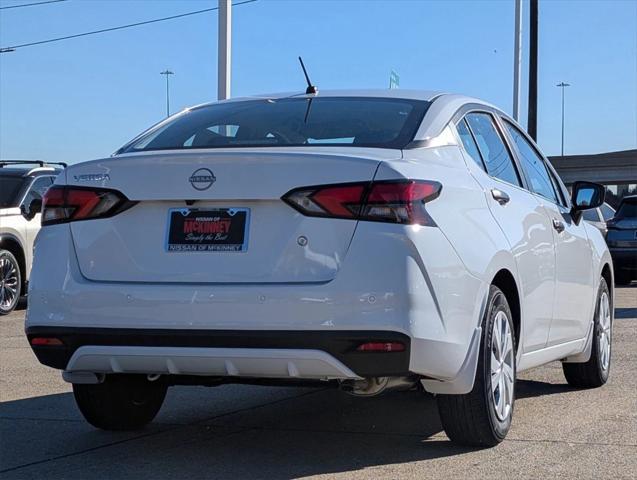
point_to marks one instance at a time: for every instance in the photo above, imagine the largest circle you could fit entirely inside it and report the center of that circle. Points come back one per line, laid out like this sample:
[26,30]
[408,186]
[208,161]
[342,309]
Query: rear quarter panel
[464,220]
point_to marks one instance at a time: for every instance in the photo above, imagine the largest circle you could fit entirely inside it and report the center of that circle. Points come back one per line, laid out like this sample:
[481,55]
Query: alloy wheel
[502,366]
[605,331]
[8,283]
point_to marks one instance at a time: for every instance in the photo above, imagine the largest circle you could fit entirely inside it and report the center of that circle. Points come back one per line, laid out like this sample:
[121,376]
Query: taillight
[394,201]
[63,204]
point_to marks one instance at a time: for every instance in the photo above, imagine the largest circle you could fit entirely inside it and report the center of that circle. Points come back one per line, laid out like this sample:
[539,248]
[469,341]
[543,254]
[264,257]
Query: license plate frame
[210,230]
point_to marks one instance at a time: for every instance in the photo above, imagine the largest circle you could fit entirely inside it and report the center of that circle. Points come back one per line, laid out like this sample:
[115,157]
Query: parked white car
[22,184]
[378,239]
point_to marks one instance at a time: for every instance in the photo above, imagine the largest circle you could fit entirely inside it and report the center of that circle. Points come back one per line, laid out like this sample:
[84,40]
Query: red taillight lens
[66,204]
[46,341]
[381,347]
[400,201]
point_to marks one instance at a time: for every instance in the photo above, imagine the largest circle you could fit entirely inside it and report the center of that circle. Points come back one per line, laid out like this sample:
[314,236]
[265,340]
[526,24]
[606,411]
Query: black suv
[622,240]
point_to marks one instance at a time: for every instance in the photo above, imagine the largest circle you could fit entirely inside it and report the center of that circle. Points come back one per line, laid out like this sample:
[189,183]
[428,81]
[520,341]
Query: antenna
[311,89]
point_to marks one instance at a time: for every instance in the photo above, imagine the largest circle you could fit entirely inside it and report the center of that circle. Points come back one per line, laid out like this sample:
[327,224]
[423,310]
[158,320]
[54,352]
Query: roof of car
[426,95]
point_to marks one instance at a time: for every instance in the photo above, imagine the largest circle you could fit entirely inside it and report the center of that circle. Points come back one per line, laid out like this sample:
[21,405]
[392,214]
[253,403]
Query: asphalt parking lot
[258,432]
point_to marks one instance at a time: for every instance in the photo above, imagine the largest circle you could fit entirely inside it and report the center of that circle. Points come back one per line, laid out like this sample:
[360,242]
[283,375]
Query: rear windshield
[628,208]
[10,187]
[329,121]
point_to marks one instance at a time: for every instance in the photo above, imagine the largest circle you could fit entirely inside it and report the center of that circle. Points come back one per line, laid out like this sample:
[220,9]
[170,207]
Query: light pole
[517,59]
[224,55]
[563,85]
[167,73]
[534,14]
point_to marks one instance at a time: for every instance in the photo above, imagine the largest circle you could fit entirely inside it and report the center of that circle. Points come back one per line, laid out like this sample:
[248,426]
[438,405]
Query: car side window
[591,215]
[533,164]
[559,189]
[39,186]
[469,143]
[496,156]
[607,211]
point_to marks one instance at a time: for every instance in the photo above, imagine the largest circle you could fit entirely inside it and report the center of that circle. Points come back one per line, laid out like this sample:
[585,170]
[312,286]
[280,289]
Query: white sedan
[375,239]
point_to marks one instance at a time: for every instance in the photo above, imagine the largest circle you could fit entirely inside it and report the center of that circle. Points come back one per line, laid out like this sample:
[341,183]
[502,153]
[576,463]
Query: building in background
[616,170]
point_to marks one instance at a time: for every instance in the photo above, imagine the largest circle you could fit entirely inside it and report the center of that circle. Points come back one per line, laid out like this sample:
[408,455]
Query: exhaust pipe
[371,386]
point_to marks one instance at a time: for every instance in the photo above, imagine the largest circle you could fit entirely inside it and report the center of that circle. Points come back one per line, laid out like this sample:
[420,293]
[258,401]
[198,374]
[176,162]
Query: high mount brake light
[393,201]
[62,204]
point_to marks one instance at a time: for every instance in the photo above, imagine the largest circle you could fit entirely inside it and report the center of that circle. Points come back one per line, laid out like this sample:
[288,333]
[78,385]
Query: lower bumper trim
[222,362]
[215,345]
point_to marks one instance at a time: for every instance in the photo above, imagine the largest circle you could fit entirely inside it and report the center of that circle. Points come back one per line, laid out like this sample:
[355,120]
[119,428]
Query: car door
[32,225]
[521,218]
[574,293]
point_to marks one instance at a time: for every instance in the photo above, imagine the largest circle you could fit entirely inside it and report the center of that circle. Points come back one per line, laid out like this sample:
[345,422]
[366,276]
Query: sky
[83,98]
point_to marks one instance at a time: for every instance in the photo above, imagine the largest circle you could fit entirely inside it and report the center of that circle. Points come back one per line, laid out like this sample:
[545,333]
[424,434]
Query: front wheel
[120,402]
[10,282]
[482,417]
[594,373]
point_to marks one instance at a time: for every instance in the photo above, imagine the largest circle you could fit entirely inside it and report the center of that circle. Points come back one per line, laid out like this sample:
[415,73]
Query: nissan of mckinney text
[372,240]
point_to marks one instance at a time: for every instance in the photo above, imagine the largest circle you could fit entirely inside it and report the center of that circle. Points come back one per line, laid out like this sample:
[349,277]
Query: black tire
[471,419]
[10,282]
[595,372]
[121,402]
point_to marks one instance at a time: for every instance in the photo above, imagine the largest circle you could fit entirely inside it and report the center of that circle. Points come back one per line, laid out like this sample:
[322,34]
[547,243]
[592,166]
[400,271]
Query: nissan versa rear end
[370,240]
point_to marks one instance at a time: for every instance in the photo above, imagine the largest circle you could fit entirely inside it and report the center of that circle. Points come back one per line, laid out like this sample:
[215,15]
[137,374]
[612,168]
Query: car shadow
[22,303]
[534,388]
[280,433]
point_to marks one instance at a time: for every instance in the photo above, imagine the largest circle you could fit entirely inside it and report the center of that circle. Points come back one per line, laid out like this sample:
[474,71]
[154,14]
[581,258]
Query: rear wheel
[10,282]
[482,417]
[594,373]
[121,402]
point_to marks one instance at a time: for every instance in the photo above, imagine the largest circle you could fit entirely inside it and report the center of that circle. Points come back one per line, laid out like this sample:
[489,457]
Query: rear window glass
[627,209]
[10,187]
[329,121]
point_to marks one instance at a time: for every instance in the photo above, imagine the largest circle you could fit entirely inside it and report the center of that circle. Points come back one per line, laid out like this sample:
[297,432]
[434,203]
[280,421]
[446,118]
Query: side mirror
[586,195]
[34,208]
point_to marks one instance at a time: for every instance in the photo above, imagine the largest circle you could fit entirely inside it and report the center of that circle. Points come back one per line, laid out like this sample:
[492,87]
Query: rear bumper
[272,354]
[395,280]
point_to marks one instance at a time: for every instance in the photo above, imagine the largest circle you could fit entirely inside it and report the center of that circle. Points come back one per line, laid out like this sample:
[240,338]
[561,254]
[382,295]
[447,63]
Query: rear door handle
[500,196]
[558,225]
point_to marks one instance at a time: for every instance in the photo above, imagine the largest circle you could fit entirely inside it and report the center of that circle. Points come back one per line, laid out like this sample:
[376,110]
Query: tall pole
[224,56]
[167,73]
[533,33]
[517,60]
[563,85]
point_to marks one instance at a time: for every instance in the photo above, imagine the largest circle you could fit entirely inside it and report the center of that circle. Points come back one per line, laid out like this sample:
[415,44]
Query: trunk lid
[281,245]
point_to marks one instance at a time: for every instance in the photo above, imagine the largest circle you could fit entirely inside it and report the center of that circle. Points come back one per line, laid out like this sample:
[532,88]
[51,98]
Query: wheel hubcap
[605,331]
[502,366]
[8,283]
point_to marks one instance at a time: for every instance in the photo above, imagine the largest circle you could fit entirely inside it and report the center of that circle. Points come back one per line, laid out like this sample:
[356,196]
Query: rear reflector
[45,341]
[381,347]
[63,204]
[399,201]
